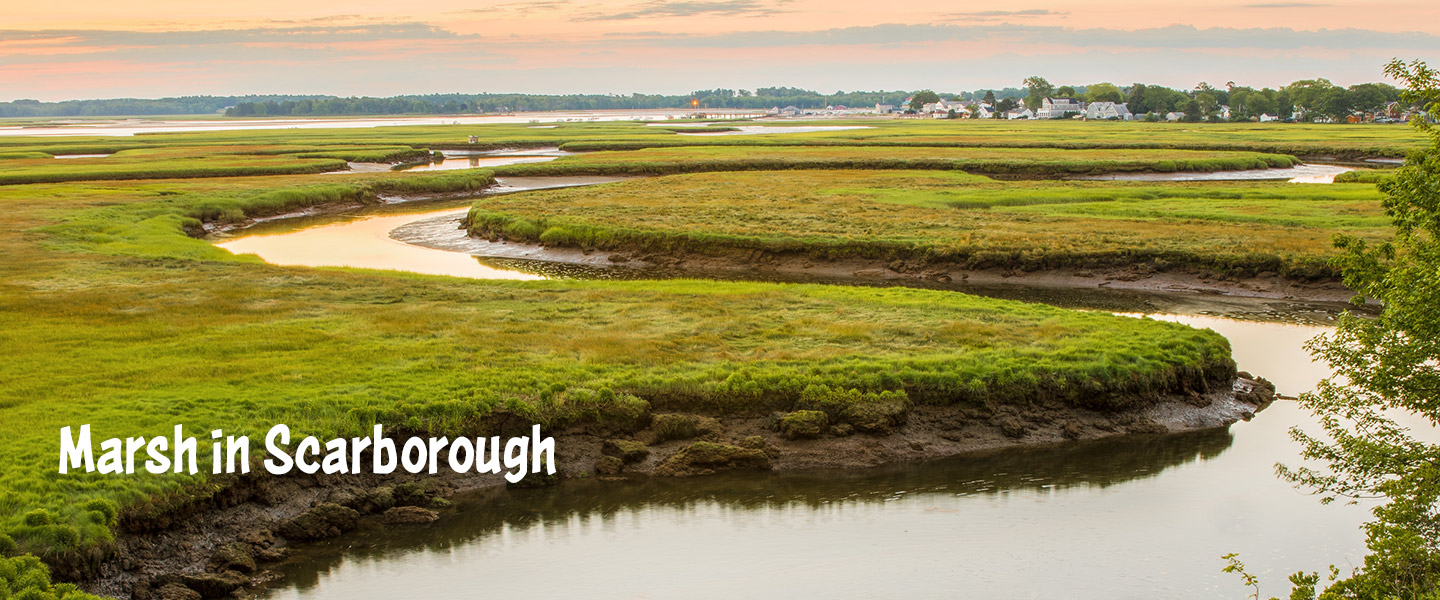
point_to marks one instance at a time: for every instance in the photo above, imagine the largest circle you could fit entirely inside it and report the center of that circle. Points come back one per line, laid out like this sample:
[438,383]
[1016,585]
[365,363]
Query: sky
[154,48]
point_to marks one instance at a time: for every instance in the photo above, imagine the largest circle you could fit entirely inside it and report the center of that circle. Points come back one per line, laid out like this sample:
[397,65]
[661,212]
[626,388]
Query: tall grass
[1043,162]
[161,328]
[115,169]
[935,220]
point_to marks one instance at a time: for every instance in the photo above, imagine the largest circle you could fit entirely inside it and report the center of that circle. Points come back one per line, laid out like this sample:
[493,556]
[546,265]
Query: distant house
[984,111]
[884,109]
[1267,118]
[1058,108]
[1108,110]
[942,108]
[1174,116]
[790,111]
[1020,113]
[1223,112]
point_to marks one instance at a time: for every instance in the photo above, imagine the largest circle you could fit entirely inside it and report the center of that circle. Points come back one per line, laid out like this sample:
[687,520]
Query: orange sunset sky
[96,49]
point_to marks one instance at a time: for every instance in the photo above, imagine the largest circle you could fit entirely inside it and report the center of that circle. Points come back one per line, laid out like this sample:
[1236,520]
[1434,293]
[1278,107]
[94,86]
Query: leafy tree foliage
[1104,92]
[922,98]
[1038,88]
[188,105]
[1387,373]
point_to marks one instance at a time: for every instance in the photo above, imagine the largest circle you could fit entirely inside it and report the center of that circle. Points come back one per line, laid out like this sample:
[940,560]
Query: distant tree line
[762,98]
[187,105]
[1305,99]
[758,99]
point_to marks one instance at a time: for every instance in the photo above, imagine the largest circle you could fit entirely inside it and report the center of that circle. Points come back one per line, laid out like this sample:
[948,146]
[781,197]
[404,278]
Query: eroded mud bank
[230,542]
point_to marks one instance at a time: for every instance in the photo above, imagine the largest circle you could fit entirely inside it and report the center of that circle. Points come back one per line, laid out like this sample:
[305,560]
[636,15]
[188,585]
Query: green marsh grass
[1032,162]
[111,315]
[1240,228]
[161,163]
[1274,138]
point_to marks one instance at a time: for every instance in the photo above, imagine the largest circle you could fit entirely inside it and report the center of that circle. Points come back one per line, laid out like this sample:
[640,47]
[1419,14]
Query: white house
[1020,113]
[884,109]
[1174,116]
[942,108]
[1108,110]
[1223,113]
[1058,108]
[984,111]
[1267,118]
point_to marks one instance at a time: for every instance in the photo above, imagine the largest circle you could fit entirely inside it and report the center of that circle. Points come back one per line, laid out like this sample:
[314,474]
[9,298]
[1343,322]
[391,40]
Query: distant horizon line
[691,94]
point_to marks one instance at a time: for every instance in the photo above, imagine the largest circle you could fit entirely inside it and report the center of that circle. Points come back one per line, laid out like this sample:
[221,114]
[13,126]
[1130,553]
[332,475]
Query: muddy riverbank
[248,525]
[1137,277]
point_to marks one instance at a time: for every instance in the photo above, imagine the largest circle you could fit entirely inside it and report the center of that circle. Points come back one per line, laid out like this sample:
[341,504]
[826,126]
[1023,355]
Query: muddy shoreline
[230,544]
[766,266]
[1135,277]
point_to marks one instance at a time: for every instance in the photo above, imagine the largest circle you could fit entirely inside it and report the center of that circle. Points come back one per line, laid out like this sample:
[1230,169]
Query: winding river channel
[1133,517]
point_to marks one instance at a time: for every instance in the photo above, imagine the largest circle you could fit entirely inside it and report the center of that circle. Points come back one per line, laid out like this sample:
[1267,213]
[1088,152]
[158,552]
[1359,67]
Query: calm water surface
[1137,517]
[130,127]
[362,237]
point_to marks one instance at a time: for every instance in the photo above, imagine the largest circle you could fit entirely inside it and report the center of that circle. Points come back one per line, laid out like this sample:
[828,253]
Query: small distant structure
[884,109]
[984,111]
[1020,114]
[1058,108]
[1108,110]
[944,108]
[1268,118]
[474,139]
[1174,116]
[790,111]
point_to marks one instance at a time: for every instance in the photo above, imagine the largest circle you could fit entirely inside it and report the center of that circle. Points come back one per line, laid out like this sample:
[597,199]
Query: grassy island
[952,218]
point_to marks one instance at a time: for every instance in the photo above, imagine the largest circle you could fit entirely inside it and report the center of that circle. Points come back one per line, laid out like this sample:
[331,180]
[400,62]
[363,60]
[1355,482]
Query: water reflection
[454,161]
[362,238]
[1138,517]
[497,516]
[374,250]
